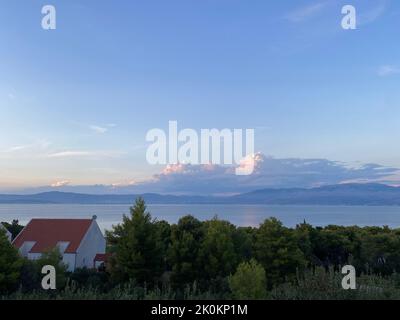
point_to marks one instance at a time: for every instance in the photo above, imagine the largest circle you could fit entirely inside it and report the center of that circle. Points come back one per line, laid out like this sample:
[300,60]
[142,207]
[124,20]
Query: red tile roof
[48,232]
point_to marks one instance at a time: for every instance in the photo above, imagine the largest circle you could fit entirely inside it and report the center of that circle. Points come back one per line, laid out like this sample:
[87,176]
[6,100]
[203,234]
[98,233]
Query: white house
[8,234]
[79,240]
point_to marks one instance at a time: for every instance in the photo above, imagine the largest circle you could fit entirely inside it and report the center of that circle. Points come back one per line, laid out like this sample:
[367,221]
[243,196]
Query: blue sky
[76,102]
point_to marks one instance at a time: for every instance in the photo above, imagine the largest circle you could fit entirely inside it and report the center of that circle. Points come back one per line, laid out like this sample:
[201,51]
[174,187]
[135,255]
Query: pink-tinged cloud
[62,183]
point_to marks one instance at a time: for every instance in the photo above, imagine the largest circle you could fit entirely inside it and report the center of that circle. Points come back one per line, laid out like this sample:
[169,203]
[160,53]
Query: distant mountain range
[342,194]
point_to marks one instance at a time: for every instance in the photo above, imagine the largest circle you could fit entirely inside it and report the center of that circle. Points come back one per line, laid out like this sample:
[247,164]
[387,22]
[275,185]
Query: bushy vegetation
[214,259]
[10,264]
[249,281]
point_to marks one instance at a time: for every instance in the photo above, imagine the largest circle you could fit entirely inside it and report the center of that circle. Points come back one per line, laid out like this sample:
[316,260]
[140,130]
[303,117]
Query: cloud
[102,129]
[83,153]
[37,145]
[68,154]
[26,149]
[18,148]
[60,184]
[269,172]
[388,70]
[98,129]
[305,13]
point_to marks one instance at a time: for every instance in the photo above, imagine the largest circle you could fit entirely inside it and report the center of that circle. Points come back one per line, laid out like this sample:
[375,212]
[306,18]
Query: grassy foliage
[322,284]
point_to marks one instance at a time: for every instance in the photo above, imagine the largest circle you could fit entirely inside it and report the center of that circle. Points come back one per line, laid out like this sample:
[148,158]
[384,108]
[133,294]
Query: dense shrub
[249,281]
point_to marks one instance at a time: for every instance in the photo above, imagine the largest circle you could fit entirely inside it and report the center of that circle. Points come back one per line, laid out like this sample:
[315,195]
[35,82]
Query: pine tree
[136,247]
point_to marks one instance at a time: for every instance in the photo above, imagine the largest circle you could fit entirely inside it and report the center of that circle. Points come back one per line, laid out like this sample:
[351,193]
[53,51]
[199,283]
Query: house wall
[34,256]
[92,244]
[8,234]
[68,259]
[25,248]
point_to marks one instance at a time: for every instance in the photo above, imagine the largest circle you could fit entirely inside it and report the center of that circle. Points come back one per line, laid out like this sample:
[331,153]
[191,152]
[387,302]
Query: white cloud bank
[269,172]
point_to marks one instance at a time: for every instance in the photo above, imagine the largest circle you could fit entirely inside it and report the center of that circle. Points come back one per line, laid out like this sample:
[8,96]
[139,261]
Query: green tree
[30,277]
[249,281]
[10,264]
[333,245]
[14,228]
[379,250]
[163,230]
[305,236]
[186,238]
[278,252]
[136,247]
[218,256]
[244,240]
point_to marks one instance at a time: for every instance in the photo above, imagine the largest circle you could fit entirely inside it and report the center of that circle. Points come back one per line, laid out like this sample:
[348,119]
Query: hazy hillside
[344,194]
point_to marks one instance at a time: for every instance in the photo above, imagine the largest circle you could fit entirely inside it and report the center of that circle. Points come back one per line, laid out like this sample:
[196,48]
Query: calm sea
[241,215]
